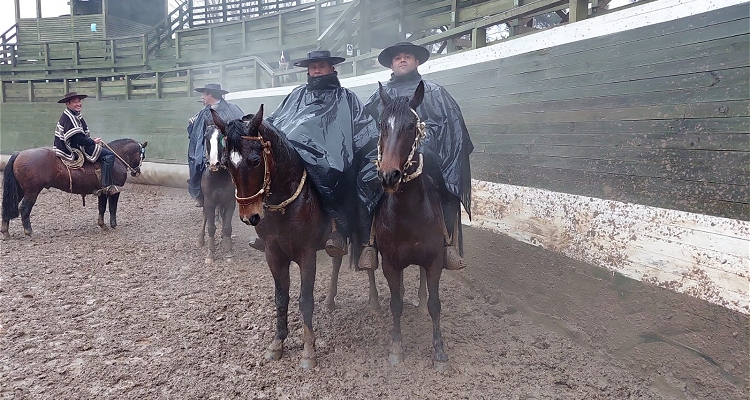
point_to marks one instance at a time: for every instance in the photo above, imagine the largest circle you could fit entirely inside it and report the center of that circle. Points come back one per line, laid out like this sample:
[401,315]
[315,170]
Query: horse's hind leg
[25,209]
[394,278]
[4,229]
[334,286]
[373,294]
[113,199]
[433,305]
[422,293]
[102,205]
[226,232]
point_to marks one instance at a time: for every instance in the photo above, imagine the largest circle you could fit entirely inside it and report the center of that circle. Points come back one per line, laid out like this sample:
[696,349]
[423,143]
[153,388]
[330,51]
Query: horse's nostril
[254,219]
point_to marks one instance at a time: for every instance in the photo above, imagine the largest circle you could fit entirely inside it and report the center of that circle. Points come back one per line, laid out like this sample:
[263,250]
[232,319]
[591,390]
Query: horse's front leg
[25,210]
[334,286]
[226,232]
[433,305]
[279,266]
[209,220]
[102,205]
[373,294]
[394,278]
[422,293]
[306,307]
[113,199]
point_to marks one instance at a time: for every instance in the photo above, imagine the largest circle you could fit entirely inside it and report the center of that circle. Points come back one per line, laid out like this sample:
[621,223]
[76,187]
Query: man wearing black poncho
[447,145]
[337,140]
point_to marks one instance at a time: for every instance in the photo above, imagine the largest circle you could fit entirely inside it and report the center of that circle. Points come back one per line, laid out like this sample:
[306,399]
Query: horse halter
[420,135]
[265,189]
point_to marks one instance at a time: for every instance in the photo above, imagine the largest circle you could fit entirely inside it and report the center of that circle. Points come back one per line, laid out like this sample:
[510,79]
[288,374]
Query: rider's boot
[108,162]
[336,243]
[452,217]
[369,257]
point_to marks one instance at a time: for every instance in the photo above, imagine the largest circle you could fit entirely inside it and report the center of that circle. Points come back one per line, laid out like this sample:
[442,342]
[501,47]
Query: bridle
[265,189]
[418,137]
[133,171]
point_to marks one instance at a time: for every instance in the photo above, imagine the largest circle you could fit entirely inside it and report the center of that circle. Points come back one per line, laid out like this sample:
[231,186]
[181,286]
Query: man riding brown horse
[73,140]
[447,144]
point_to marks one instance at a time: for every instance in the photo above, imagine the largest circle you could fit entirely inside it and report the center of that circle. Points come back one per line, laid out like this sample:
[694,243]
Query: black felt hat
[72,95]
[318,55]
[385,58]
[212,87]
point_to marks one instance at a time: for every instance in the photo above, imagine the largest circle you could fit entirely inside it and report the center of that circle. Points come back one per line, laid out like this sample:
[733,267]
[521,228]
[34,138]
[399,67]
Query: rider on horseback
[446,147]
[329,128]
[72,137]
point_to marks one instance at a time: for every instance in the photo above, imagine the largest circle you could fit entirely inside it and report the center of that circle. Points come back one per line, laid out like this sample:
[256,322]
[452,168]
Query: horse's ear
[247,118]
[218,121]
[384,95]
[255,122]
[144,144]
[416,100]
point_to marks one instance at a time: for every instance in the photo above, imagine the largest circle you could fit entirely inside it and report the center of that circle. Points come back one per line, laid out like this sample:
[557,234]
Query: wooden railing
[338,34]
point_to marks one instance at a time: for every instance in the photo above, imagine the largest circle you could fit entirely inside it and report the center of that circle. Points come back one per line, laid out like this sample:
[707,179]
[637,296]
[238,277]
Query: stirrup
[453,259]
[112,189]
[369,258]
[336,245]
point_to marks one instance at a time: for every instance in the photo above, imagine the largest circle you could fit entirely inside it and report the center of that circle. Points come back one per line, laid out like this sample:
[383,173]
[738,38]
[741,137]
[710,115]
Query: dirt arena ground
[133,313]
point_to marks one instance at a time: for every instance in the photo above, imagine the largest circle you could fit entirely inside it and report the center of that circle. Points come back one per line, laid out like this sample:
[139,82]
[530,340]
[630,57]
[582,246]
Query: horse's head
[130,152]
[400,134]
[214,143]
[136,169]
[249,161]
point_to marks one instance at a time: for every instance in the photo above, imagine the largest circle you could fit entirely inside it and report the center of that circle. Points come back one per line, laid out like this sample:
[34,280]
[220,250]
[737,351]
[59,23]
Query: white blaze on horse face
[213,157]
[235,158]
[392,123]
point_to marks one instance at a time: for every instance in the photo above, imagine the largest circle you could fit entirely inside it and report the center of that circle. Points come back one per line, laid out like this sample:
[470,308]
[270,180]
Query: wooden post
[318,21]
[177,46]
[76,53]
[158,85]
[256,71]
[66,86]
[281,32]
[46,55]
[223,74]
[401,20]
[104,17]
[98,88]
[364,27]
[478,37]
[451,46]
[39,9]
[17,4]
[127,87]
[244,36]
[31,91]
[2,92]
[579,10]
[210,41]
[189,79]
[113,50]
[144,44]
[190,13]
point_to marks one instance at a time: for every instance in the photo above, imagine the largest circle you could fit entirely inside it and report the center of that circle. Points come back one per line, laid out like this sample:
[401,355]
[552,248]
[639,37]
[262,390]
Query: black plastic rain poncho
[447,144]
[197,146]
[337,140]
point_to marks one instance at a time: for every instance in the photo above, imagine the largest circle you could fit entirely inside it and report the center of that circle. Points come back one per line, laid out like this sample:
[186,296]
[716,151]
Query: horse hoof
[100,222]
[422,309]
[442,366]
[274,355]
[27,232]
[395,359]
[201,243]
[330,304]
[376,310]
[229,258]
[209,260]
[308,363]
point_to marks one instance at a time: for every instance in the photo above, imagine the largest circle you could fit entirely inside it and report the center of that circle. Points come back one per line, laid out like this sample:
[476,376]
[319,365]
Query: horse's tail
[12,191]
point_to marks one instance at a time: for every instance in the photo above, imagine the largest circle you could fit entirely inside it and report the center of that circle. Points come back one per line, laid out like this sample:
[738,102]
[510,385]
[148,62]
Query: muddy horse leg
[306,307]
[113,199]
[373,294]
[394,277]
[25,209]
[279,266]
[333,287]
[433,305]
[209,219]
[226,232]
[102,206]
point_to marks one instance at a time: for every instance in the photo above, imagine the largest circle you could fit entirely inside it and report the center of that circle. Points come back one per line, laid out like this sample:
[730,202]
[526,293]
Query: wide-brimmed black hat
[212,87]
[72,95]
[385,58]
[318,55]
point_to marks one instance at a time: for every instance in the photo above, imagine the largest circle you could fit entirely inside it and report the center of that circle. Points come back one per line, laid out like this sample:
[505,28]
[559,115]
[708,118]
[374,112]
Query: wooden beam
[579,10]
[478,37]
[17,4]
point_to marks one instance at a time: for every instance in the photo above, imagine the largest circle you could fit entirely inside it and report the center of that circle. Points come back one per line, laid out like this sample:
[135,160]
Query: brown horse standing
[274,195]
[218,193]
[408,223]
[32,170]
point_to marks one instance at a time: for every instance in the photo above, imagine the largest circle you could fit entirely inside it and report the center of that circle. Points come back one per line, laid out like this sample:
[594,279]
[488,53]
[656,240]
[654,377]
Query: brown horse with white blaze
[408,223]
[275,195]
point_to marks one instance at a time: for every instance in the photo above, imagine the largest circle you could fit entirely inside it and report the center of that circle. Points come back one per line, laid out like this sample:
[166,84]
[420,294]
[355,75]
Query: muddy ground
[133,313]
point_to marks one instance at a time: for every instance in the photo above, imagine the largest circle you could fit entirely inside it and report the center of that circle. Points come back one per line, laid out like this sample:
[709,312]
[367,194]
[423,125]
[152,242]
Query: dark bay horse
[275,196]
[32,170]
[408,223]
[218,193]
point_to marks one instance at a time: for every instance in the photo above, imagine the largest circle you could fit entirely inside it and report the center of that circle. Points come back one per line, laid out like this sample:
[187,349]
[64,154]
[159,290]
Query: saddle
[78,163]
